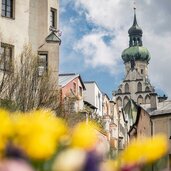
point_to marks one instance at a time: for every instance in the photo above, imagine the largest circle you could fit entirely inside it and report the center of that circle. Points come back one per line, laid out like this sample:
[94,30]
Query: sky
[95,32]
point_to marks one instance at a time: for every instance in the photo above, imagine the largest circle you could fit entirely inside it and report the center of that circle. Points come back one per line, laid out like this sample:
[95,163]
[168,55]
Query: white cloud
[96,52]
[105,12]
[160,64]
[116,15]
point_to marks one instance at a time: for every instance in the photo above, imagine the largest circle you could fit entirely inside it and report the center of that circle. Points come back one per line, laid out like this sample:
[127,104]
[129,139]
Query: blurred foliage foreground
[40,141]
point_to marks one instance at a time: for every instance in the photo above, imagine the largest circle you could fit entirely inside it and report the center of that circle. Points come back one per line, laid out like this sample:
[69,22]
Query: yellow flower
[84,136]
[156,148]
[38,133]
[40,148]
[5,128]
[145,150]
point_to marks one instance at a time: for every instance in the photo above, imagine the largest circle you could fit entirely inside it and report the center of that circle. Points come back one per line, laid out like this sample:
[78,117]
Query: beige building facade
[31,22]
[152,120]
[115,126]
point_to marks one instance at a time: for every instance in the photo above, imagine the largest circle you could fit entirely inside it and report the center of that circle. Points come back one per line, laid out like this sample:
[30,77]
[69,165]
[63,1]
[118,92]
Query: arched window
[120,91]
[138,41]
[119,101]
[140,100]
[126,88]
[147,89]
[134,40]
[147,99]
[139,87]
[125,101]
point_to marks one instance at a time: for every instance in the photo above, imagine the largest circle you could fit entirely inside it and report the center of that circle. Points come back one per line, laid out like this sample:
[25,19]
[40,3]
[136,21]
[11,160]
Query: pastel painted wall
[68,90]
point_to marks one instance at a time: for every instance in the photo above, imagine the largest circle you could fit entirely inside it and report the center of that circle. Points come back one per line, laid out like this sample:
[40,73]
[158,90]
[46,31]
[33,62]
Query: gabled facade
[94,96]
[31,22]
[72,88]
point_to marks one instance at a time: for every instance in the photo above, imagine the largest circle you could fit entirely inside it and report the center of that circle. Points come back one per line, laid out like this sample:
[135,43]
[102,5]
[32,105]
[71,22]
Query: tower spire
[135,18]
[135,32]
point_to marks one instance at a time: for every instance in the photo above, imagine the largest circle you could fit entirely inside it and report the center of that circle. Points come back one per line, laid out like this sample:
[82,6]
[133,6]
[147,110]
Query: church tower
[136,58]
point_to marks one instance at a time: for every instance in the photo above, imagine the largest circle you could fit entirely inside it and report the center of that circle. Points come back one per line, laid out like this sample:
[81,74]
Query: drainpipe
[151,127]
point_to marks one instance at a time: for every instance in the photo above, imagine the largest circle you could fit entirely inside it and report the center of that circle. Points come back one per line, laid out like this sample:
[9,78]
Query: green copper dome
[136,53]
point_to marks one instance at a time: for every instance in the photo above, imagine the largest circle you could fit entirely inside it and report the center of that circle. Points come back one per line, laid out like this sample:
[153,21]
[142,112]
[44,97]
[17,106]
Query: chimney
[162,98]
[153,101]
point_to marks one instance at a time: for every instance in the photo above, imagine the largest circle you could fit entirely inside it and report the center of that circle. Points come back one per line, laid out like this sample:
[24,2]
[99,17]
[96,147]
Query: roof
[136,53]
[135,29]
[112,101]
[163,108]
[52,37]
[93,82]
[90,105]
[64,79]
[104,94]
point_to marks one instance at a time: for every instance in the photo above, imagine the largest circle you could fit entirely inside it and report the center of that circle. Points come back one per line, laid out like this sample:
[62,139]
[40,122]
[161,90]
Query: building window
[8,8]
[80,91]
[147,89]
[142,71]
[99,97]
[97,101]
[53,18]
[126,88]
[139,87]
[140,100]
[6,57]
[42,63]
[119,101]
[125,101]
[119,91]
[74,88]
[120,143]
[147,99]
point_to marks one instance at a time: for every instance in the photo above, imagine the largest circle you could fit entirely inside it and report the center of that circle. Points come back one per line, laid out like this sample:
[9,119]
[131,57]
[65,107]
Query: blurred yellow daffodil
[38,133]
[144,150]
[6,129]
[84,136]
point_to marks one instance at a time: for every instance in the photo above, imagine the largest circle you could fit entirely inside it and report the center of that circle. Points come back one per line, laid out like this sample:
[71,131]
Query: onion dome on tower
[136,51]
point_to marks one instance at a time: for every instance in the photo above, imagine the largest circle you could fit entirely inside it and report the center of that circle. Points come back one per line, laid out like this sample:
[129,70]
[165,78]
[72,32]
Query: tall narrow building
[136,57]
[33,22]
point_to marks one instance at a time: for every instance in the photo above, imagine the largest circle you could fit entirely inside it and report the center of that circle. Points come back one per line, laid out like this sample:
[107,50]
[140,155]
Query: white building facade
[94,96]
